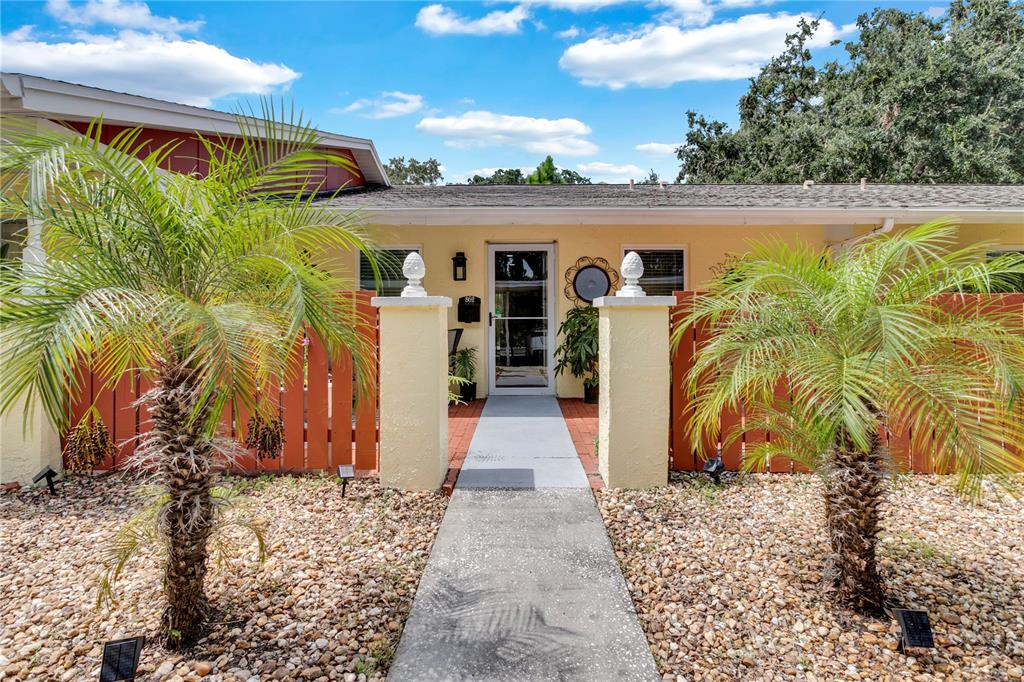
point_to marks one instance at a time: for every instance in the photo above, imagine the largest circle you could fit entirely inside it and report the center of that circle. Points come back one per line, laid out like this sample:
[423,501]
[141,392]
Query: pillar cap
[634,301]
[411,302]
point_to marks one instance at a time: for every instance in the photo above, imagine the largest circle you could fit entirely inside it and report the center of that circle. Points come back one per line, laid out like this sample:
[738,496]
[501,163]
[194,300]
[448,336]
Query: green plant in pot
[577,352]
[464,367]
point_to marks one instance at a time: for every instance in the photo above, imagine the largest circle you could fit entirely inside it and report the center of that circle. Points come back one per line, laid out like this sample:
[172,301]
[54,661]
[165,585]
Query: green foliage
[145,268]
[862,342]
[578,351]
[464,364]
[453,380]
[918,100]
[413,172]
[88,444]
[545,174]
[502,176]
[549,174]
[651,179]
[142,534]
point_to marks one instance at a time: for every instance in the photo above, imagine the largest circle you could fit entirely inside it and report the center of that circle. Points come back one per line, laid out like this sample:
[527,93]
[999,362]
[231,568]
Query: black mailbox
[469,309]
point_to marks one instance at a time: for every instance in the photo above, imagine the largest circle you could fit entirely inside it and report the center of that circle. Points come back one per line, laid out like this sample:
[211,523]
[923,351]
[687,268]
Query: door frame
[492,388]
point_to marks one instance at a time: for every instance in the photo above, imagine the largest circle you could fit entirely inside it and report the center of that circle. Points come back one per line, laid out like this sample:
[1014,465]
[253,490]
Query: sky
[602,85]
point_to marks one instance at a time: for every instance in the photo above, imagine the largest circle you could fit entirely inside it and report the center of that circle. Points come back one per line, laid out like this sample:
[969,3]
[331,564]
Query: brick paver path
[581,418]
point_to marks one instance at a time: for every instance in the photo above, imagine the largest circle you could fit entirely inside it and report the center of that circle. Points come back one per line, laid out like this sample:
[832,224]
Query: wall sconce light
[459,266]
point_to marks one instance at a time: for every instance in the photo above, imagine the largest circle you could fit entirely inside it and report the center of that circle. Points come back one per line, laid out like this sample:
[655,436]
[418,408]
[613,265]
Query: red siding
[190,156]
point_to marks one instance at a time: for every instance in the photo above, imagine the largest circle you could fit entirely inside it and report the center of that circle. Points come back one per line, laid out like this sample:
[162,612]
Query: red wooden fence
[326,421]
[685,458]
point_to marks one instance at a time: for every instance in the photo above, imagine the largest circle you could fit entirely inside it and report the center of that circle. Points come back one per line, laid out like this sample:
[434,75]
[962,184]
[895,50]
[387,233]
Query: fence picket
[316,407]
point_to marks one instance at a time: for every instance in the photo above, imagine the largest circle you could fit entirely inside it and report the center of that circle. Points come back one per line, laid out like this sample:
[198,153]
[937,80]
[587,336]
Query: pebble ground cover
[328,604]
[727,581]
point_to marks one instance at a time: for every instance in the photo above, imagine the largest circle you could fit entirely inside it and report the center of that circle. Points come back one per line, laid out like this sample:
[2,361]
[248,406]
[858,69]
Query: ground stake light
[120,659]
[49,474]
[715,466]
[915,629]
[345,472]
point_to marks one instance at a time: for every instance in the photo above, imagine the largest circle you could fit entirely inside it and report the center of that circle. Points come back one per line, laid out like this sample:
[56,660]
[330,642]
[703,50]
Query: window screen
[663,271]
[1012,284]
[392,281]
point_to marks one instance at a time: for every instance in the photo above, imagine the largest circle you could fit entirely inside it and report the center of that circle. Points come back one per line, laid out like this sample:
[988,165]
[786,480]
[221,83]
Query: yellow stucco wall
[705,246]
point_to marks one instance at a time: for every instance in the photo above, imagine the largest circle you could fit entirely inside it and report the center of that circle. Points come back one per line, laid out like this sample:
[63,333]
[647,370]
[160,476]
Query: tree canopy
[413,172]
[918,100]
[546,173]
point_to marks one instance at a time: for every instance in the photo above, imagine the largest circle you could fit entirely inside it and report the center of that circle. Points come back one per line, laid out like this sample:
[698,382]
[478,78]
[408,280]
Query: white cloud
[689,12]
[390,104]
[467,101]
[568,34]
[129,15]
[612,172]
[564,136]
[667,54]
[165,67]
[440,20]
[658,147]
[935,12]
[574,5]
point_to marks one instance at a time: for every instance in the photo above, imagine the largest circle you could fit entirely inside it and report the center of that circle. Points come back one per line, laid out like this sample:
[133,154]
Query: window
[664,269]
[12,238]
[1015,284]
[389,260]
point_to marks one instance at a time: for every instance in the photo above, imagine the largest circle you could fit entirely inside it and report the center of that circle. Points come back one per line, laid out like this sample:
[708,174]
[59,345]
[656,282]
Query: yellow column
[635,377]
[413,385]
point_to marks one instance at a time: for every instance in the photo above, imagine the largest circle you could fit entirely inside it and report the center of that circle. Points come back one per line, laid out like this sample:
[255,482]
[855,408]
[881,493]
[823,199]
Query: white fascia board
[68,101]
[677,216]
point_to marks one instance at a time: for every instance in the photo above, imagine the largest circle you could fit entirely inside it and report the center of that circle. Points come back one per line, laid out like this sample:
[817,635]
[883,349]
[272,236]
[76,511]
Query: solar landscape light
[915,629]
[715,466]
[49,474]
[120,659]
[345,472]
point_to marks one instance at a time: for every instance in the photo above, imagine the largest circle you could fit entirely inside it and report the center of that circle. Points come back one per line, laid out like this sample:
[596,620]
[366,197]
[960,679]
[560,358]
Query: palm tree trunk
[854,490]
[184,458]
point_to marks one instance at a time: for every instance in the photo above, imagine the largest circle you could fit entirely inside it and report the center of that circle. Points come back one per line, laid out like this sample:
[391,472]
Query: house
[56,105]
[533,251]
[515,259]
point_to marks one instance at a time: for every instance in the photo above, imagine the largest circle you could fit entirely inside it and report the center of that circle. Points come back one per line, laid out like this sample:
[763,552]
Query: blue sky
[603,85]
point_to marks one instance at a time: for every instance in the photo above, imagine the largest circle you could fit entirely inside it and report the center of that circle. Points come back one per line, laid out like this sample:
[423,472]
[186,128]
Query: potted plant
[464,368]
[577,352]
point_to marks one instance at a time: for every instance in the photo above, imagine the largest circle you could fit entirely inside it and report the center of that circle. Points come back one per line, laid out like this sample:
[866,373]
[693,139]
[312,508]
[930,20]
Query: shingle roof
[687,196]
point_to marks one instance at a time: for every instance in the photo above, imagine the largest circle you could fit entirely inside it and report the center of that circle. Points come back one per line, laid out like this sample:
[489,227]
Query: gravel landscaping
[726,581]
[329,603]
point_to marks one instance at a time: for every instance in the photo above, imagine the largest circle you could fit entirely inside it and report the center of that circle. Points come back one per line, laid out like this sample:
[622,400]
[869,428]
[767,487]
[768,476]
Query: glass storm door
[520,324]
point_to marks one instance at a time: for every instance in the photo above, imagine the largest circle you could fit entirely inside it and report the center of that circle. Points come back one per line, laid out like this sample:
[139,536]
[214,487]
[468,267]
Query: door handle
[490,319]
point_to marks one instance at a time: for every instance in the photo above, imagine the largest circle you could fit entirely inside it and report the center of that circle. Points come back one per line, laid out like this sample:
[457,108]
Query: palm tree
[203,284]
[861,343]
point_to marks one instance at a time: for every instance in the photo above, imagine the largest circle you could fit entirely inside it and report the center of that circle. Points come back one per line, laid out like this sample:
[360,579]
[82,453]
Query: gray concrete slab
[522,442]
[522,583]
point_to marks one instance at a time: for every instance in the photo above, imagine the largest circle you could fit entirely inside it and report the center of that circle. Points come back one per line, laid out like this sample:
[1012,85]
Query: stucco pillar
[413,384]
[635,377]
[28,441]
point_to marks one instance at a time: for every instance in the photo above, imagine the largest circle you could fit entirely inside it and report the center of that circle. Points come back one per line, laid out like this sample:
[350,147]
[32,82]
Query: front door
[520,335]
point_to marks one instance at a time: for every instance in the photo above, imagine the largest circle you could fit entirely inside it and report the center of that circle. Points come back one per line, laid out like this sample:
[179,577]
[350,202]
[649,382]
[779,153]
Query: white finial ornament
[632,270]
[414,269]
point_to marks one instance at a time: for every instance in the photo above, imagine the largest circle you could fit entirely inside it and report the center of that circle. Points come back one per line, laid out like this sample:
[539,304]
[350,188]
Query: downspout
[884,228]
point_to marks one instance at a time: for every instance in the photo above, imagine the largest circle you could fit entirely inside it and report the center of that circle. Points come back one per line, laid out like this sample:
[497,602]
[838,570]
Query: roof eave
[34,95]
[675,215]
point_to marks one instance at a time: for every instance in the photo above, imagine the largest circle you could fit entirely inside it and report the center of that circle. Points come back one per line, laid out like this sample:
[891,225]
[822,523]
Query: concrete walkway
[522,583]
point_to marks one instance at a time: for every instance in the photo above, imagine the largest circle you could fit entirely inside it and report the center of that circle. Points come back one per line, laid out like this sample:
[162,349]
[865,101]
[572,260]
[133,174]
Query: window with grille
[390,260]
[664,270]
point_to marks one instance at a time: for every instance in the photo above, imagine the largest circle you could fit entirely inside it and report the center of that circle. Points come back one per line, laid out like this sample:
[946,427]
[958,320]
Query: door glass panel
[521,354]
[520,319]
